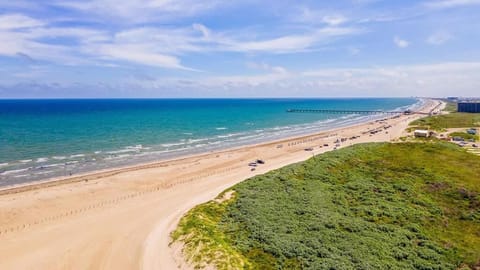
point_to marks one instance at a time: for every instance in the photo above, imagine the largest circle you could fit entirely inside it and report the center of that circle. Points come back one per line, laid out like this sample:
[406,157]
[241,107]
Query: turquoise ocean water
[40,139]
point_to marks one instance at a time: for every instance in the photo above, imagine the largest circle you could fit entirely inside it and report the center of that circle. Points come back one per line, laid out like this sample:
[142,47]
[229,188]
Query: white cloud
[136,11]
[291,43]
[451,3]
[315,17]
[401,43]
[334,19]
[140,55]
[267,67]
[18,21]
[152,46]
[439,38]
[442,79]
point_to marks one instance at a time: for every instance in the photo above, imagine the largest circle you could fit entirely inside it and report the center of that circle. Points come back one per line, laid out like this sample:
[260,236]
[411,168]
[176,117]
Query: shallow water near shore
[40,139]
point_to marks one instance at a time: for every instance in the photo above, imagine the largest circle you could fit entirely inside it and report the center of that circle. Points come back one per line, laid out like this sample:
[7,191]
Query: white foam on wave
[53,165]
[201,145]
[14,171]
[221,128]
[172,144]
[25,160]
[42,159]
[71,162]
[59,157]
[78,155]
[197,140]
[3,164]
[121,151]
[136,147]
[230,135]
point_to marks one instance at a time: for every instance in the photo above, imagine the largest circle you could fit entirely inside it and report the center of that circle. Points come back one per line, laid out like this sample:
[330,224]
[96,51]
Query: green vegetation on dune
[370,206]
[451,107]
[451,120]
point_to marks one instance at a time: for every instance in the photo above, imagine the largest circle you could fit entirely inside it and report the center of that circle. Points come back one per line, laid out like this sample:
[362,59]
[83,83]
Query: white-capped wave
[201,145]
[14,171]
[121,151]
[221,128]
[136,147]
[42,159]
[197,140]
[172,144]
[78,155]
[59,157]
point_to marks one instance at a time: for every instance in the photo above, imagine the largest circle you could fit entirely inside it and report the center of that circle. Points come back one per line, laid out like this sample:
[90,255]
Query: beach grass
[451,120]
[368,206]
[450,106]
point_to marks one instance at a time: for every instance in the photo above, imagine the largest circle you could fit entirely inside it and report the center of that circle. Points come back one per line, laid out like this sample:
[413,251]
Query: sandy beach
[121,219]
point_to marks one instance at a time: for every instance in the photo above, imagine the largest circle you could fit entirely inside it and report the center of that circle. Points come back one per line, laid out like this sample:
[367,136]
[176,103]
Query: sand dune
[121,219]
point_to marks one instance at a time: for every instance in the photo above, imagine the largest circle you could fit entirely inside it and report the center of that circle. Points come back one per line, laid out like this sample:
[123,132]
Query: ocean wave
[3,164]
[20,175]
[77,155]
[201,145]
[221,128]
[230,135]
[53,165]
[25,160]
[136,147]
[59,157]
[198,140]
[42,159]
[172,144]
[121,151]
[15,171]
[71,162]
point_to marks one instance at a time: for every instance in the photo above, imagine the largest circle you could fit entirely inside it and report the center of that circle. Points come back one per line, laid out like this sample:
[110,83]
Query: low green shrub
[369,206]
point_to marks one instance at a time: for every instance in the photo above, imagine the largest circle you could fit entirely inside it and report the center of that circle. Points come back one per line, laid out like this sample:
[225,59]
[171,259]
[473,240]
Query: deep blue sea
[40,139]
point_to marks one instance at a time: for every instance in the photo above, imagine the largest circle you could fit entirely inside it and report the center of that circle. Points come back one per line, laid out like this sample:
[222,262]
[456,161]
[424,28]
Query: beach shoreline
[93,217]
[101,173]
[54,164]
[98,174]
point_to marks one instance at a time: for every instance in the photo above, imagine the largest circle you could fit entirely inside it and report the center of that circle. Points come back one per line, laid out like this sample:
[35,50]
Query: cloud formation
[188,47]
[401,43]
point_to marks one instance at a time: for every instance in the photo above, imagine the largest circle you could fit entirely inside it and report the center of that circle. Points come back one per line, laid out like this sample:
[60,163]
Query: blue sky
[189,48]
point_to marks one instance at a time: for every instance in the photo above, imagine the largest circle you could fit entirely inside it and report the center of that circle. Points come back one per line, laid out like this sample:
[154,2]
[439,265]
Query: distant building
[469,107]
[421,133]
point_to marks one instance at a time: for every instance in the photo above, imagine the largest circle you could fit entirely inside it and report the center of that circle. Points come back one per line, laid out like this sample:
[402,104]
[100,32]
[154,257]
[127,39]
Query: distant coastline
[220,137]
